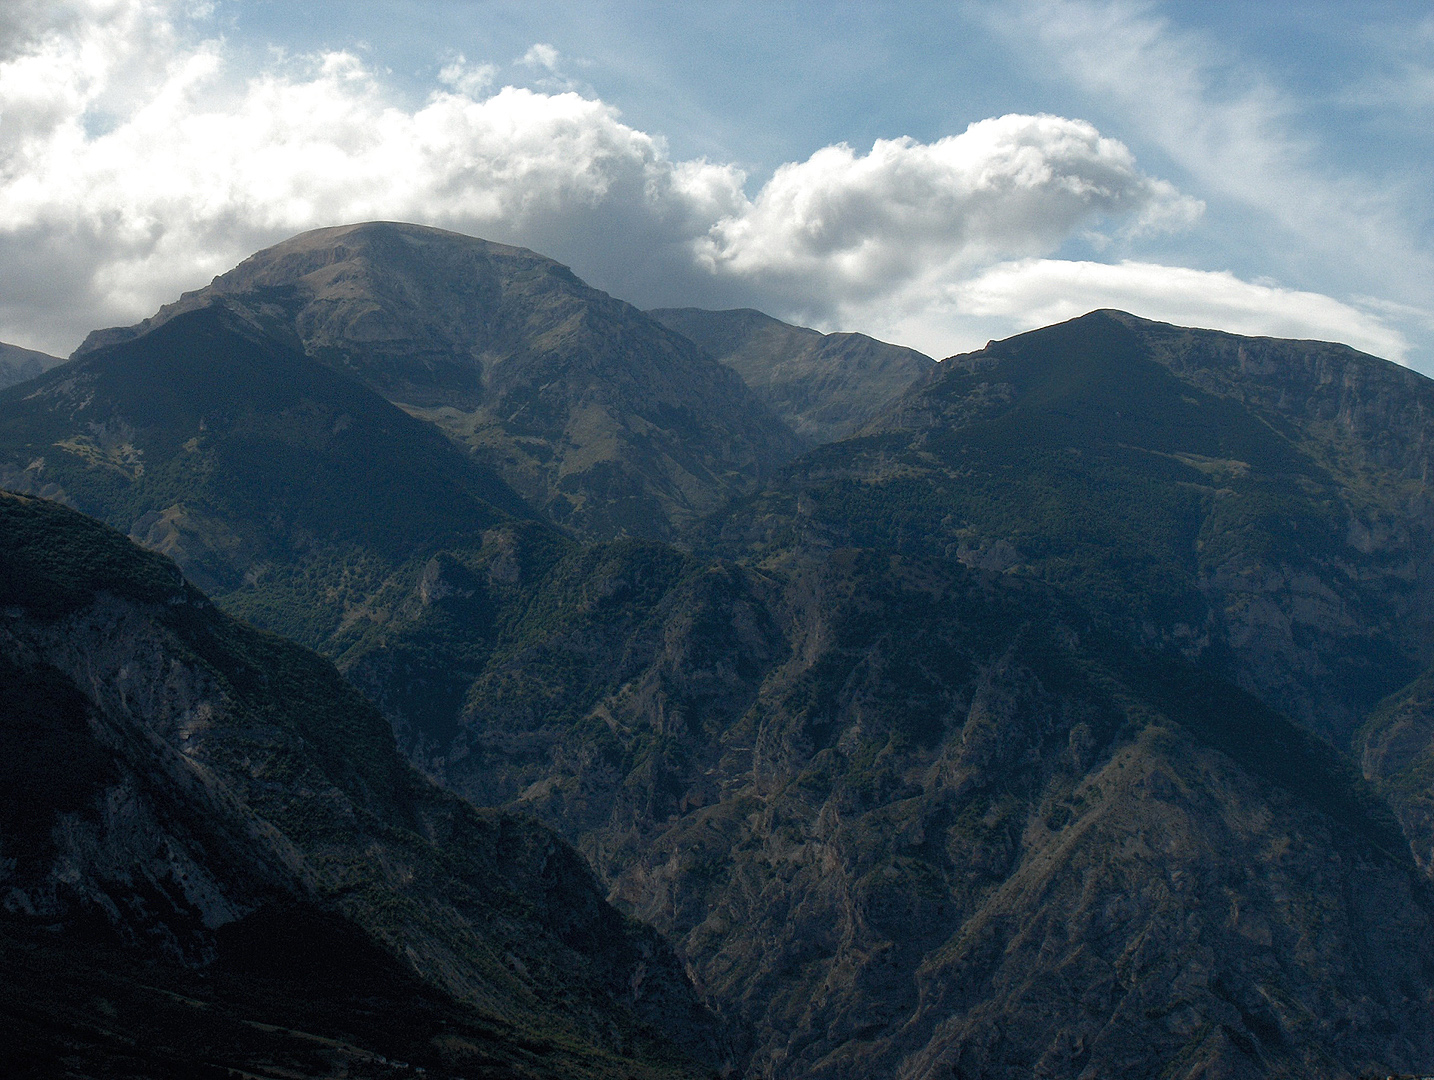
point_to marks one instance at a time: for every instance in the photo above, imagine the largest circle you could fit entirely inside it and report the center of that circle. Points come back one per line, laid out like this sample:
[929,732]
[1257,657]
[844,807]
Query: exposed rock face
[1261,506]
[17,364]
[1396,751]
[605,419]
[903,820]
[170,773]
[825,386]
[165,859]
[941,774]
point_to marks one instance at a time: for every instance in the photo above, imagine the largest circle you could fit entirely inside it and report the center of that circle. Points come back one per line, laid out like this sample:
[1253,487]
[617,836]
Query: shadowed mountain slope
[286,489]
[825,386]
[1259,505]
[599,415]
[1396,752]
[212,856]
[17,364]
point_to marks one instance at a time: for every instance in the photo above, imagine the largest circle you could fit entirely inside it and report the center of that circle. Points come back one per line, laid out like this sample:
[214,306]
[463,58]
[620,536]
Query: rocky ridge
[825,386]
[1259,506]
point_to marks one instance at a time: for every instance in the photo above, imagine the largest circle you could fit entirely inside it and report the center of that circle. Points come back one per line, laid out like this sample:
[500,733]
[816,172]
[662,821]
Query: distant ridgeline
[17,364]
[1060,709]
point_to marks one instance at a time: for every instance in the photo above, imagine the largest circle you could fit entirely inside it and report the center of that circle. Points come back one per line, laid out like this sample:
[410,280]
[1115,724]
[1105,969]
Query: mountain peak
[365,261]
[600,416]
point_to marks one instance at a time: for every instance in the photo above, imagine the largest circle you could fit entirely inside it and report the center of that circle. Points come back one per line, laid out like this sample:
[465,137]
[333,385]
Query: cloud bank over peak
[841,228]
[137,162]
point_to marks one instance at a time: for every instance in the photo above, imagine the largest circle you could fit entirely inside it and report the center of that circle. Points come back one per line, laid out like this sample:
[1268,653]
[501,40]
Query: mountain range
[17,364]
[1260,506]
[1059,709]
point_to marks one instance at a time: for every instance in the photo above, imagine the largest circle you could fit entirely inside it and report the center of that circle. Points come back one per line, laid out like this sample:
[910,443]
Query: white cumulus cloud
[841,227]
[1051,290]
[137,162]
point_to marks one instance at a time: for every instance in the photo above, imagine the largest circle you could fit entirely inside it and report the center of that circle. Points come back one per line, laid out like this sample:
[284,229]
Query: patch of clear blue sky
[758,84]
[761,83]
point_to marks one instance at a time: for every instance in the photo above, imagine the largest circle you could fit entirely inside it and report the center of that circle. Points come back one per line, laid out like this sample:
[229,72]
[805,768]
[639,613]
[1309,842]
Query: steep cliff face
[600,416]
[171,774]
[1257,505]
[825,386]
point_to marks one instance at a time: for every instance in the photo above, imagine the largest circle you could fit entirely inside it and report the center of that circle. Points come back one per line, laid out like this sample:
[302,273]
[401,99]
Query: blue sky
[1262,168]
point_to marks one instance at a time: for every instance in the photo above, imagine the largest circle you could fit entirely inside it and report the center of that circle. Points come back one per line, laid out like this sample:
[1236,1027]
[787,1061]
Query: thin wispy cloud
[1051,290]
[1235,131]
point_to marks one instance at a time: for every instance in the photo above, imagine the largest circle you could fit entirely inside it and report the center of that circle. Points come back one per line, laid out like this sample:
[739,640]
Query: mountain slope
[932,764]
[287,490]
[191,803]
[937,771]
[825,386]
[1259,505]
[17,364]
[597,414]
[903,818]
[1396,752]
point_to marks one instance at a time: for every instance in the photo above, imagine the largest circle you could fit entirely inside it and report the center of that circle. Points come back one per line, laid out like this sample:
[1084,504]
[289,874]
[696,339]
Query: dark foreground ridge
[214,859]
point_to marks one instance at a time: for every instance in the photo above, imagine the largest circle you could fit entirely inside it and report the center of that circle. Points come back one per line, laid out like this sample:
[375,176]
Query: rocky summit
[601,416]
[1062,710]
